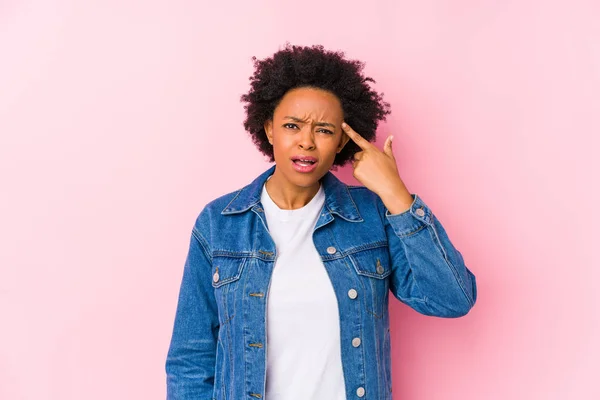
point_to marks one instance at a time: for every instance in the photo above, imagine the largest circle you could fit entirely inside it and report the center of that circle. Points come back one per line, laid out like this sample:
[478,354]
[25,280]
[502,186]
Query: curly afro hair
[304,66]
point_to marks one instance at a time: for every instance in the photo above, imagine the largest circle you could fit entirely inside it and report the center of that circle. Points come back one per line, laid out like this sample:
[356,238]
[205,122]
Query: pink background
[120,119]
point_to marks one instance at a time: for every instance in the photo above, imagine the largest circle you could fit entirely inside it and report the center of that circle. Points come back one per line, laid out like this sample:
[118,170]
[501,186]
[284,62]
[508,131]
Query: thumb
[387,146]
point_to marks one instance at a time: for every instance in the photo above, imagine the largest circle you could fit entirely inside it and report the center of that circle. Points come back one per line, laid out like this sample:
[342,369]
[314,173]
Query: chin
[304,180]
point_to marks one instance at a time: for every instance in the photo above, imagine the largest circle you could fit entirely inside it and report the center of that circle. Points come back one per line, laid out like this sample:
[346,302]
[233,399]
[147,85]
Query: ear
[269,130]
[343,141]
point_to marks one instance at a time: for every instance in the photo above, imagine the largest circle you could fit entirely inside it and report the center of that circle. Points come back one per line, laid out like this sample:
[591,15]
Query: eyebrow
[296,119]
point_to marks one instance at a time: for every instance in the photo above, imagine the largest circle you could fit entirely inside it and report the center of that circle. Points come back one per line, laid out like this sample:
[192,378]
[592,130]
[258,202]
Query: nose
[306,138]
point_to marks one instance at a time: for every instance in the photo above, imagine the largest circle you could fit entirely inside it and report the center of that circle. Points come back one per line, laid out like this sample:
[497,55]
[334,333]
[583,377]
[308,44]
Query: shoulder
[366,200]
[362,194]
[210,214]
[360,191]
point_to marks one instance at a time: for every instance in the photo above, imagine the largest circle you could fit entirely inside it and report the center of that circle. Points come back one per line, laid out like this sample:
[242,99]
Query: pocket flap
[226,270]
[374,263]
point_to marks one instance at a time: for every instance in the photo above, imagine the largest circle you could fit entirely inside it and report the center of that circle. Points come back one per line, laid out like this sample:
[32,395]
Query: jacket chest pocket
[373,267]
[226,278]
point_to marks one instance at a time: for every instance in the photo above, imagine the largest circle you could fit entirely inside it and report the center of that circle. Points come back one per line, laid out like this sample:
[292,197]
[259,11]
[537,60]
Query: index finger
[359,140]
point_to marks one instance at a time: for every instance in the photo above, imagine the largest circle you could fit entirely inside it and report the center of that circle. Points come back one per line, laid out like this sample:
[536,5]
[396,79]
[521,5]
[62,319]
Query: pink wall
[115,115]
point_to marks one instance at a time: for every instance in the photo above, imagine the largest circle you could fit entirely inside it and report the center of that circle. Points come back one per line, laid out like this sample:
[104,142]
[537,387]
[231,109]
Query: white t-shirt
[304,358]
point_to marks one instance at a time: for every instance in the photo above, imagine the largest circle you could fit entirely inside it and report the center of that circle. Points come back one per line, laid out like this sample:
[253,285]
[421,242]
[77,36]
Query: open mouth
[304,163]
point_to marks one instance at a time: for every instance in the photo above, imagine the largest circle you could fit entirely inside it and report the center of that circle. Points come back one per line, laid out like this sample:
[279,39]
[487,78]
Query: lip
[304,157]
[302,168]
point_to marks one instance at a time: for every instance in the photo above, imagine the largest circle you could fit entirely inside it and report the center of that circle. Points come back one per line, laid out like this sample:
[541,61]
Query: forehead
[309,102]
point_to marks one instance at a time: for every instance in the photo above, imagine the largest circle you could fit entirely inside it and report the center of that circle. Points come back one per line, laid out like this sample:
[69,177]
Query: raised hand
[377,170]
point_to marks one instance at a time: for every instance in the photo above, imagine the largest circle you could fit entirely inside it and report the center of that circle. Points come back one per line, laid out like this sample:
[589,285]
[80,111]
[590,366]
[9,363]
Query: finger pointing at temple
[359,140]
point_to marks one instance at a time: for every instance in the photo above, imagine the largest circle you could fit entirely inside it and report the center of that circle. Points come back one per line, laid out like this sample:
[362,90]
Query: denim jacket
[218,348]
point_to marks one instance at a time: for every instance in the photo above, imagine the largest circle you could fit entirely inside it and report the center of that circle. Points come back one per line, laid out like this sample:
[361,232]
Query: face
[307,124]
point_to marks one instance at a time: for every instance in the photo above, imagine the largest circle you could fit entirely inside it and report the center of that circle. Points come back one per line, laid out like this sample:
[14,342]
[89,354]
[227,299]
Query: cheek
[282,144]
[282,141]
[330,150]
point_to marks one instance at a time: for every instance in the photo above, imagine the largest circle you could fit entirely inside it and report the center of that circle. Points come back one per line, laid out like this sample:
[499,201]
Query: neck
[288,196]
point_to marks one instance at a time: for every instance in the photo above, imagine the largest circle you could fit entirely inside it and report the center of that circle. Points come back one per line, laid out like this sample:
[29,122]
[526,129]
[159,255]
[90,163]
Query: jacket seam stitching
[451,266]
[203,243]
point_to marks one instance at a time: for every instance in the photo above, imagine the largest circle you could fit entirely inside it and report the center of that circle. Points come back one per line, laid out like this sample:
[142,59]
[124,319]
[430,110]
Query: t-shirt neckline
[286,215]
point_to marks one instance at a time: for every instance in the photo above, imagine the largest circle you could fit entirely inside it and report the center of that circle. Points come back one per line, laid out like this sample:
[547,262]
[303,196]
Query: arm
[190,363]
[428,272]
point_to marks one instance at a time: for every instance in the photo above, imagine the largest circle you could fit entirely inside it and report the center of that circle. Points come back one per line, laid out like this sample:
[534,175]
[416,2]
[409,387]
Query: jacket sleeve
[190,364]
[428,272]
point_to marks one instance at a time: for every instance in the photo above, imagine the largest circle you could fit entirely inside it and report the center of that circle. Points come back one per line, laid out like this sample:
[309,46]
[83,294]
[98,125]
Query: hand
[377,171]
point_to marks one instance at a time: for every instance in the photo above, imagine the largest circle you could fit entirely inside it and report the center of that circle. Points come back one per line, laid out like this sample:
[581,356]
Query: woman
[285,289]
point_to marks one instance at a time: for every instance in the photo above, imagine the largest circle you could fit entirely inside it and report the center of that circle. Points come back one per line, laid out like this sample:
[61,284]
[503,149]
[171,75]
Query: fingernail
[344,125]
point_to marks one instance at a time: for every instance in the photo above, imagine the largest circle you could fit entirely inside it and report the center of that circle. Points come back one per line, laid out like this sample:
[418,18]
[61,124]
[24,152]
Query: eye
[290,125]
[326,131]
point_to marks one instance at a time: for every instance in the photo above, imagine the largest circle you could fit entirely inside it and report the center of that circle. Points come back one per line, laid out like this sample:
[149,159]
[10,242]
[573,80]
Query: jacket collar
[337,197]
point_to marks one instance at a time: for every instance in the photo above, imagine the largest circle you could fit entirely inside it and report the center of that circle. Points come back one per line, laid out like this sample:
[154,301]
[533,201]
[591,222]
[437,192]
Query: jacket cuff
[417,217]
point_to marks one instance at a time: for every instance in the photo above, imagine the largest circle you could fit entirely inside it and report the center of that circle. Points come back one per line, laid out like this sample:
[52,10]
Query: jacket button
[331,250]
[360,392]
[420,212]
[216,277]
[356,342]
[352,293]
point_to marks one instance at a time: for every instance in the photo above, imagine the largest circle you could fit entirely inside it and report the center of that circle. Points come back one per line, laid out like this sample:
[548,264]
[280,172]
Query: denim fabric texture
[218,348]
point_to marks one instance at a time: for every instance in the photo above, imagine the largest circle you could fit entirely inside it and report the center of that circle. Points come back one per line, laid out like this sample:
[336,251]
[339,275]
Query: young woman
[285,289]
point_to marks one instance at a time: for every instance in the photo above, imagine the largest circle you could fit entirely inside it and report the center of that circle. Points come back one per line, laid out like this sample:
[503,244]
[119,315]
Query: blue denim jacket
[219,346]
